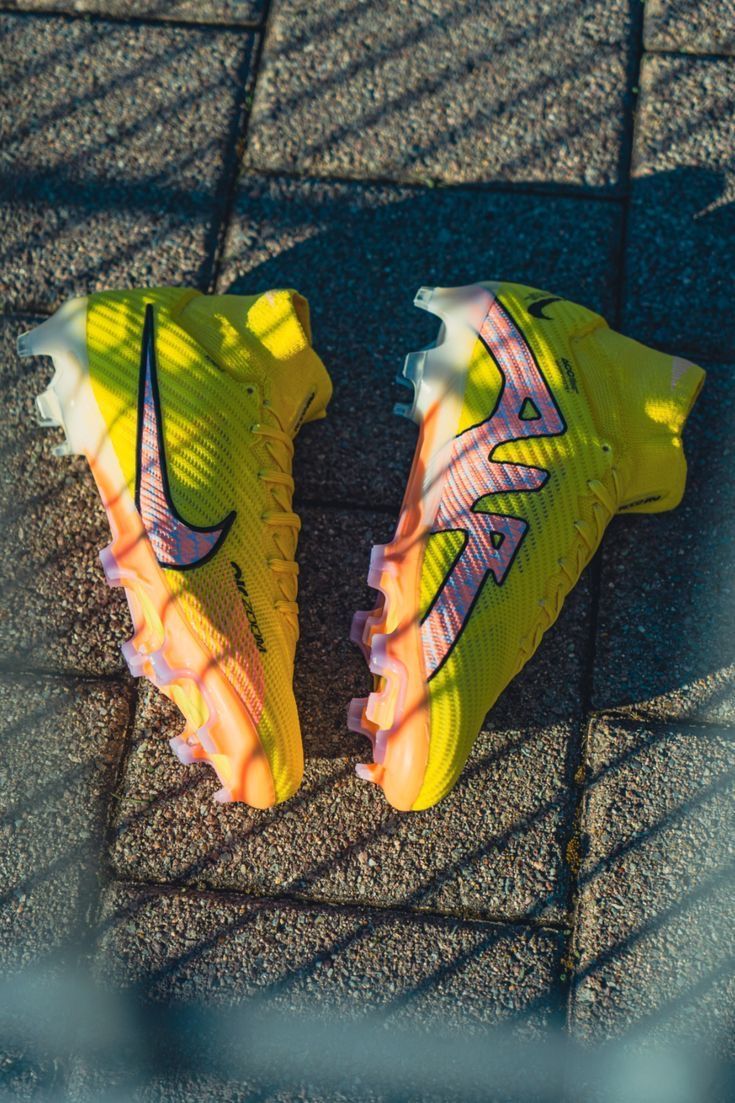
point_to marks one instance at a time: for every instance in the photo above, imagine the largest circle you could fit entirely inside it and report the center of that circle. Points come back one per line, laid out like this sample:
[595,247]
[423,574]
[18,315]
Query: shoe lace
[601,503]
[285,524]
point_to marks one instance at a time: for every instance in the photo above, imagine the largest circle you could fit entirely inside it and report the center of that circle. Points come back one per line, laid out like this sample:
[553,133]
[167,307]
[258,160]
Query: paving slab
[359,253]
[690,26]
[320,989]
[445,91]
[494,847]
[682,213]
[238,12]
[56,610]
[117,142]
[665,644]
[655,940]
[61,743]
[62,740]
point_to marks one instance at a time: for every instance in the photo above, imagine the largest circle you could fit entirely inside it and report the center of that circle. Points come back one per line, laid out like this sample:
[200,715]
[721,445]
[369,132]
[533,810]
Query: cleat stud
[136,663]
[223,796]
[403,380]
[413,367]
[402,410]
[206,740]
[379,660]
[379,565]
[357,628]
[64,449]
[185,754]
[24,344]
[48,411]
[110,566]
[423,297]
[356,714]
[370,771]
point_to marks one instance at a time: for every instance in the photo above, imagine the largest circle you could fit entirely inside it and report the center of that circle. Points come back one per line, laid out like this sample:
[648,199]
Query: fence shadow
[208,977]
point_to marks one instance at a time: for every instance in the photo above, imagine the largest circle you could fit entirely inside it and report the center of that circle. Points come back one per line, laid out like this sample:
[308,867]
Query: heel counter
[654,393]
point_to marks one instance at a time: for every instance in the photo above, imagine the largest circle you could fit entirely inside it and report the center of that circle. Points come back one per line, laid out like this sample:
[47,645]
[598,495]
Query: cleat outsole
[163,648]
[48,414]
[135,662]
[110,566]
[395,716]
[182,750]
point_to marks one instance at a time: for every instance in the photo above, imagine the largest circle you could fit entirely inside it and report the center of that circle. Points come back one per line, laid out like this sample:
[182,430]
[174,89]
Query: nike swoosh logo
[536,309]
[678,368]
[176,544]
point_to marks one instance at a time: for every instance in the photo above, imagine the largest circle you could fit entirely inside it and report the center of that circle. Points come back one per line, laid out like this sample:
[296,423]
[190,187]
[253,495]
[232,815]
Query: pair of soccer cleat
[537,423]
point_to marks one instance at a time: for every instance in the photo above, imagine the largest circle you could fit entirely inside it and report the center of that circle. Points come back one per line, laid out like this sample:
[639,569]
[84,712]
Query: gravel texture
[62,741]
[56,610]
[682,216]
[360,253]
[188,947]
[655,939]
[116,146]
[242,12]
[665,644]
[445,91]
[481,852]
[690,26]
[299,990]
[333,949]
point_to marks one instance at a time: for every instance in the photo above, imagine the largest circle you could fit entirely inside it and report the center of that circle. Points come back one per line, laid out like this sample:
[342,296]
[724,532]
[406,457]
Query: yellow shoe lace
[285,524]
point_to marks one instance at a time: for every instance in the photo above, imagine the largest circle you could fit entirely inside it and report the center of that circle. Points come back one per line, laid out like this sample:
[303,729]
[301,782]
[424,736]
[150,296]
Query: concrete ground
[565,917]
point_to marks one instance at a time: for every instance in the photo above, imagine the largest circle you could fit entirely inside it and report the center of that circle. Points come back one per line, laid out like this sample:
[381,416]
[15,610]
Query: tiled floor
[578,883]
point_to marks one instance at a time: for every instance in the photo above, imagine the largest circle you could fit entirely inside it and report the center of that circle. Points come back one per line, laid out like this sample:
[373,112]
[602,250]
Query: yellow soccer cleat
[537,423]
[186,406]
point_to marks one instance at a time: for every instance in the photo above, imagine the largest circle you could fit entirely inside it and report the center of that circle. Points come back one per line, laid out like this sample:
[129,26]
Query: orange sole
[395,717]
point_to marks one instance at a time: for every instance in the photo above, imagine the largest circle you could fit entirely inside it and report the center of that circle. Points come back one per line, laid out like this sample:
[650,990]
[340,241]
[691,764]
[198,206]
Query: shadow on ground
[654,864]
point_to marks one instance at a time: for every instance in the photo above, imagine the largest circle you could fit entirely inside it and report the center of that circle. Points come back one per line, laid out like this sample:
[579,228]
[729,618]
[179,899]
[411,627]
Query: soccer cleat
[186,407]
[537,423]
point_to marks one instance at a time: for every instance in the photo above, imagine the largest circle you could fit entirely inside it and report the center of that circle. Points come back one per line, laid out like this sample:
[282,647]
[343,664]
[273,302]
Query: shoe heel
[440,369]
[65,402]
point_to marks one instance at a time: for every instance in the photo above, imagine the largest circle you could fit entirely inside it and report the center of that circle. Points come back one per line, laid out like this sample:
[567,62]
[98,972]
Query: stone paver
[188,947]
[655,940]
[56,611]
[360,253]
[230,968]
[682,217]
[332,948]
[665,643]
[62,740]
[116,146]
[690,26]
[242,12]
[480,852]
[446,91]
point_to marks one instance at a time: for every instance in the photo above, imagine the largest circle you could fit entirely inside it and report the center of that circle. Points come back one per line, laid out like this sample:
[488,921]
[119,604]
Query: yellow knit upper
[624,407]
[226,365]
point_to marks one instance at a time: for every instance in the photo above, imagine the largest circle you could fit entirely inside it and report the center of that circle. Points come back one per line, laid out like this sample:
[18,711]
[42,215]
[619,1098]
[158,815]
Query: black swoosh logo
[536,309]
[177,544]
